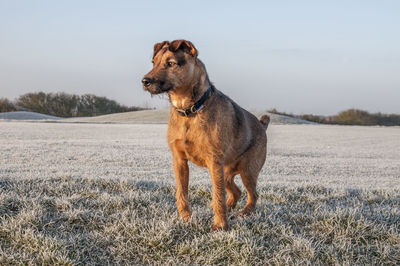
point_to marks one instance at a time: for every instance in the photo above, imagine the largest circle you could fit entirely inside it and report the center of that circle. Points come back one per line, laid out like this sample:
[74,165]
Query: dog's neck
[187,97]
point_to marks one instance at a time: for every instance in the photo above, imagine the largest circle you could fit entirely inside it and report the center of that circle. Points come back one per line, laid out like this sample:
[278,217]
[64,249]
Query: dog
[207,128]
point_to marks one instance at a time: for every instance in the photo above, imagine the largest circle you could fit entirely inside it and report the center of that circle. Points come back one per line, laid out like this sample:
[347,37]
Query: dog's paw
[185,216]
[245,212]
[217,227]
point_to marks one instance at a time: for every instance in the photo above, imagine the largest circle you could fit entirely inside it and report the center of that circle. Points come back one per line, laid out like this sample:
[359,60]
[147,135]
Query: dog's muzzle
[147,82]
[154,86]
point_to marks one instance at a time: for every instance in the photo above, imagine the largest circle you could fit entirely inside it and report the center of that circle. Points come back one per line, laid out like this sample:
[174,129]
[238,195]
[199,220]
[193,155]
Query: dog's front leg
[218,197]
[181,170]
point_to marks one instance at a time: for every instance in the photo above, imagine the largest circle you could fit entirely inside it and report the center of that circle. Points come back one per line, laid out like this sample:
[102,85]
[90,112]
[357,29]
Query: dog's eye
[170,64]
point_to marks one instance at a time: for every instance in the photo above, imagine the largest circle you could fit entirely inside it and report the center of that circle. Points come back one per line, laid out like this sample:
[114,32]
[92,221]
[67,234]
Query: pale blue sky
[298,56]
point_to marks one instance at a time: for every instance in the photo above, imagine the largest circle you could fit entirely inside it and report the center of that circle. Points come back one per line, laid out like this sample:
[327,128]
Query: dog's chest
[190,141]
[195,150]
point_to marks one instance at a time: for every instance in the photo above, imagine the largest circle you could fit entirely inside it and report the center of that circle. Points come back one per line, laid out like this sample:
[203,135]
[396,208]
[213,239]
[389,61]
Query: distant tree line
[64,104]
[7,106]
[350,117]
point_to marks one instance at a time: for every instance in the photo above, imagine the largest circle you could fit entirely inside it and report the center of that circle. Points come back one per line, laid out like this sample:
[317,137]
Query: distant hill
[145,116]
[22,115]
[137,117]
[161,116]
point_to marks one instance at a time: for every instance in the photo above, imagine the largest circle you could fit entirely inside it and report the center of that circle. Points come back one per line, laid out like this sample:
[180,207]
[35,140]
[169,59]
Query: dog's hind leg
[249,169]
[249,179]
[232,190]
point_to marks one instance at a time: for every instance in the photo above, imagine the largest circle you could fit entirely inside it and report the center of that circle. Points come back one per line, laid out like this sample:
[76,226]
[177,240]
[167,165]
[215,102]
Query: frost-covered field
[104,193]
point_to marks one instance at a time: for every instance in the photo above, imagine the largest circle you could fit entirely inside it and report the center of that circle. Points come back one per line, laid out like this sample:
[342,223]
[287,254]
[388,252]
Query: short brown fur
[223,137]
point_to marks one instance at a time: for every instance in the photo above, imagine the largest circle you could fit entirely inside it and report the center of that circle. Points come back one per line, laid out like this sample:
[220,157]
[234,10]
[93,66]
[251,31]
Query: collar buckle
[195,107]
[182,112]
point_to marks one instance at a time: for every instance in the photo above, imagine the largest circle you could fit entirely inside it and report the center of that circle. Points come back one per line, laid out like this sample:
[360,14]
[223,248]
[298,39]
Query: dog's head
[173,67]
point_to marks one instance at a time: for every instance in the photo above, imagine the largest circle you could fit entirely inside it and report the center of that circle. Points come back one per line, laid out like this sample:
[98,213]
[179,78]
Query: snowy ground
[96,194]
[330,156]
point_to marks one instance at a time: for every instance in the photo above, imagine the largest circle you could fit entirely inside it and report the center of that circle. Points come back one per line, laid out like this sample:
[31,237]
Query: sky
[302,57]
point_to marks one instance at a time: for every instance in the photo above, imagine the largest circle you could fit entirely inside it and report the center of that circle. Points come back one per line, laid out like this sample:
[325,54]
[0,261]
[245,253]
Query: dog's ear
[159,46]
[186,46]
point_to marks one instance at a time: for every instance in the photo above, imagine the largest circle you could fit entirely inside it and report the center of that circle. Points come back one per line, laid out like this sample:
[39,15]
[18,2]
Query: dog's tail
[264,120]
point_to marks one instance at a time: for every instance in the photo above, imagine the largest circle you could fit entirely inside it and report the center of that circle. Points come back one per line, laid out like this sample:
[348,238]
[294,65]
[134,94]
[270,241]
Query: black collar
[197,106]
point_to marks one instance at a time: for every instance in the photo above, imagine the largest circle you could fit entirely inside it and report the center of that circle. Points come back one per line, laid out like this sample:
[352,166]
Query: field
[104,194]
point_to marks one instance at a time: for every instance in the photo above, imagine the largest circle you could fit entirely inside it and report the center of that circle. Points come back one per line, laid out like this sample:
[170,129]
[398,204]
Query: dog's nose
[147,81]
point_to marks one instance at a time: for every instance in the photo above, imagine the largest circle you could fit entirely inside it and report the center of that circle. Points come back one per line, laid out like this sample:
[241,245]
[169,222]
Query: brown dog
[207,128]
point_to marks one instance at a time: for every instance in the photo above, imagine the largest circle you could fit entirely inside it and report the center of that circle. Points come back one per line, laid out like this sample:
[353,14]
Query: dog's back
[246,130]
